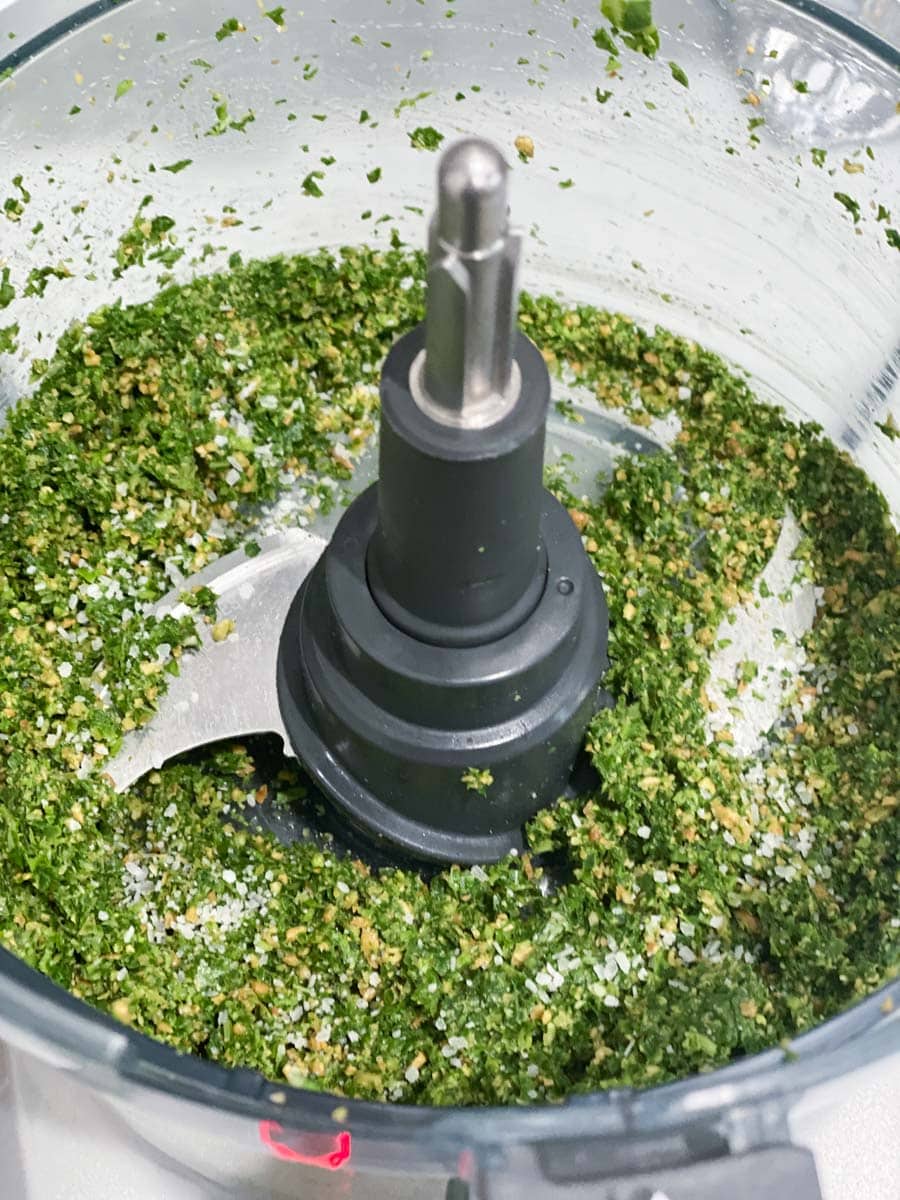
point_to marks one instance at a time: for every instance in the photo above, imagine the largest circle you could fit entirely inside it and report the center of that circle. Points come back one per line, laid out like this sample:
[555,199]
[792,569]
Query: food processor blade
[225,688]
[435,667]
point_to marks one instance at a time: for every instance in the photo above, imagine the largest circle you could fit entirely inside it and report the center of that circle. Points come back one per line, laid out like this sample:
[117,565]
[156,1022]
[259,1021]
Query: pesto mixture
[715,905]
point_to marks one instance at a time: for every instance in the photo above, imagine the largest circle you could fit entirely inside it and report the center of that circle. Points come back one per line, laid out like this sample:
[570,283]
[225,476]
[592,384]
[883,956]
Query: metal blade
[768,632]
[226,689]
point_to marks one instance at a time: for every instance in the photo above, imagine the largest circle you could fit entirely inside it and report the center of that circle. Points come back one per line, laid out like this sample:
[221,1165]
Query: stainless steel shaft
[467,376]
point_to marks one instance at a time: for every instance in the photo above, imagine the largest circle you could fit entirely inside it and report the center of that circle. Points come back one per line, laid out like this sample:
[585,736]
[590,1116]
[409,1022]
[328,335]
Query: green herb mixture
[714,906]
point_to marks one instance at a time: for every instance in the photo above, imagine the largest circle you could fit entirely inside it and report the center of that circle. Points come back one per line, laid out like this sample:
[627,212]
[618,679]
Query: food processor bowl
[657,193]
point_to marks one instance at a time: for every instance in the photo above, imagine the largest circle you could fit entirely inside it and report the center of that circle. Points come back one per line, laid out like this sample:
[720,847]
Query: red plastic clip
[330,1160]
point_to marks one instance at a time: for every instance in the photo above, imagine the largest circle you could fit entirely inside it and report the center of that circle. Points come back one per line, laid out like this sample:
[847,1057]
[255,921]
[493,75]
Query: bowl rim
[818,10]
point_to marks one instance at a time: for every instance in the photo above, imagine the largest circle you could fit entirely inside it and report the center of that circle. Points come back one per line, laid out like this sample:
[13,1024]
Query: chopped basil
[426,138]
[851,205]
[712,908]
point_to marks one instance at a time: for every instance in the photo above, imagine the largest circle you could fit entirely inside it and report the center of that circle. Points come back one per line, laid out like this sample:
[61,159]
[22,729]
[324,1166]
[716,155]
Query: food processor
[649,186]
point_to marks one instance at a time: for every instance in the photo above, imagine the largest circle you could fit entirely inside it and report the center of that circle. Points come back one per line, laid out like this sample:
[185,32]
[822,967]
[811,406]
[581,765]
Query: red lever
[331,1159]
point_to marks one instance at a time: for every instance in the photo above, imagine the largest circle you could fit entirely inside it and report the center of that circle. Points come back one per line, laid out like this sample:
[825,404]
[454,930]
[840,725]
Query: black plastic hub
[457,557]
[454,622]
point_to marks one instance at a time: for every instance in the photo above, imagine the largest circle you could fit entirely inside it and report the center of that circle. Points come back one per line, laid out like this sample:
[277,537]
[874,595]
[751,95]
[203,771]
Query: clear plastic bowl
[675,216]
